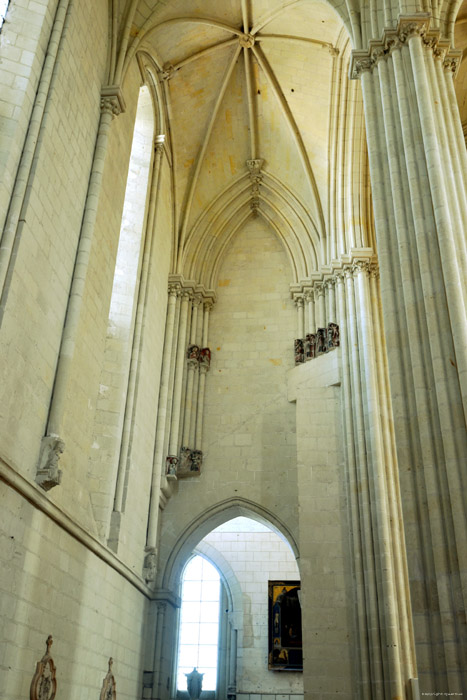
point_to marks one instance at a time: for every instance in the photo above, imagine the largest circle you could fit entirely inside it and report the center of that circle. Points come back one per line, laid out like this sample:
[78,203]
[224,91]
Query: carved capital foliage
[329,282]
[112,101]
[43,684]
[299,301]
[174,290]
[409,26]
[109,687]
[339,277]
[361,266]
[48,474]
[309,296]
[319,289]
[374,270]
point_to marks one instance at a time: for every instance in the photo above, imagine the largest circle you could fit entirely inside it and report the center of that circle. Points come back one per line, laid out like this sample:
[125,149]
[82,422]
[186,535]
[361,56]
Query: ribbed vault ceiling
[247,85]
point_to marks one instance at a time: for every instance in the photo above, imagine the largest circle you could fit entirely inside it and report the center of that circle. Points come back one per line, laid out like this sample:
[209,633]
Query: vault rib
[251,105]
[290,37]
[287,112]
[202,53]
[202,152]
[149,29]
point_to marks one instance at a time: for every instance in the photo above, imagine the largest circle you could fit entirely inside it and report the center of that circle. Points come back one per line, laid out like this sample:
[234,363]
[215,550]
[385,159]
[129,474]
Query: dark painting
[285,626]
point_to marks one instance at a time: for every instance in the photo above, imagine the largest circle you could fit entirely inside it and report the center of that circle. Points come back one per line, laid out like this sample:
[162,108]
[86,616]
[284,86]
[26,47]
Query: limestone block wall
[23,42]
[327,606]
[36,291]
[256,558]
[51,584]
[249,426]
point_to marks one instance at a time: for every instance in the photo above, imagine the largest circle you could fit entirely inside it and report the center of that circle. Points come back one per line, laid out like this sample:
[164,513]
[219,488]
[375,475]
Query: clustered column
[179,428]
[385,638]
[418,168]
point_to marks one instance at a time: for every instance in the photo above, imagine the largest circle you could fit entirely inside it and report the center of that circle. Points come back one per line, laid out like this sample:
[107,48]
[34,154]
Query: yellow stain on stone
[188,163]
[276,361]
[224,283]
[233,169]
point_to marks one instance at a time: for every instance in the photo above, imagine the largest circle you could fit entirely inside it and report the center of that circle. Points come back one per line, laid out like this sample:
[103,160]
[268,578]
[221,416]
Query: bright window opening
[3,9]
[199,623]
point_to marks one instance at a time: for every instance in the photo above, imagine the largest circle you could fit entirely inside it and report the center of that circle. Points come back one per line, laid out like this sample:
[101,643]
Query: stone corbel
[48,474]
[150,565]
[112,100]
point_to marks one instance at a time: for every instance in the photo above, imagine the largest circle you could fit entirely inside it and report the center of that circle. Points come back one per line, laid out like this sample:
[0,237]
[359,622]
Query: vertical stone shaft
[109,107]
[179,372]
[192,367]
[138,335]
[202,381]
[321,310]
[364,508]
[363,675]
[311,320]
[159,454]
[299,303]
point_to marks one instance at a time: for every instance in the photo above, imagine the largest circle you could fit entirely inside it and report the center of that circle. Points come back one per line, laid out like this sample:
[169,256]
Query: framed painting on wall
[285,626]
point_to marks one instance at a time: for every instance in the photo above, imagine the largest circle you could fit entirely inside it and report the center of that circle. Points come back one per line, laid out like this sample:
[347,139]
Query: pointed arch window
[199,623]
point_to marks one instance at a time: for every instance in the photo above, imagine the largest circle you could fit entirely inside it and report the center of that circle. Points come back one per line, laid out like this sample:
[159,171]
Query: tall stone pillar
[418,177]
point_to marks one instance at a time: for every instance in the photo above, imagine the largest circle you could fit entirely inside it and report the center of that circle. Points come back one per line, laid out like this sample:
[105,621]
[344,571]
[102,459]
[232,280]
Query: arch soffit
[208,521]
[229,579]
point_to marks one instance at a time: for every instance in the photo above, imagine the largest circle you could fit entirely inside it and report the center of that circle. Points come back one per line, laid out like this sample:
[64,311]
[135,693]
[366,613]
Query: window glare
[199,623]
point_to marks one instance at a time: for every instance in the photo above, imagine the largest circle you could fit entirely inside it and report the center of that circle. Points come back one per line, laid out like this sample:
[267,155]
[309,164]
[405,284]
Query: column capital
[299,300]
[174,289]
[361,266]
[319,288]
[408,27]
[112,101]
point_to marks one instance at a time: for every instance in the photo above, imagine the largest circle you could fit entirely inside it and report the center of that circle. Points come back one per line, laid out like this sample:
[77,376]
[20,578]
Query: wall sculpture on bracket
[171,464]
[299,351]
[44,684]
[109,687]
[205,358]
[315,344]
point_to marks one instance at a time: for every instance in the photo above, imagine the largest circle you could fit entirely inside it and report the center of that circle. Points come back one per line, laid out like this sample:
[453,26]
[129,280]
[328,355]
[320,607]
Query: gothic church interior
[233,346]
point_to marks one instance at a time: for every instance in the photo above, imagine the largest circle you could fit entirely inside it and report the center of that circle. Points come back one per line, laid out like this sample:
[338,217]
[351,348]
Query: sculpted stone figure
[299,351]
[321,341]
[333,335]
[205,357]
[194,683]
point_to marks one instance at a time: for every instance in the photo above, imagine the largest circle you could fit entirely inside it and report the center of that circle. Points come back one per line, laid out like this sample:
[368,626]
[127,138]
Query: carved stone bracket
[408,26]
[48,474]
[112,100]
[44,684]
[205,358]
[109,687]
[171,464]
[150,565]
[190,462]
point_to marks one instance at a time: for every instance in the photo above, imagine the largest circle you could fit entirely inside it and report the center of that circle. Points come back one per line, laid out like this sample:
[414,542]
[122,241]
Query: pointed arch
[210,519]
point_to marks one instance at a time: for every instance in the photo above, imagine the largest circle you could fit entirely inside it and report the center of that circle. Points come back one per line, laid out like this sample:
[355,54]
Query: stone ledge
[36,496]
